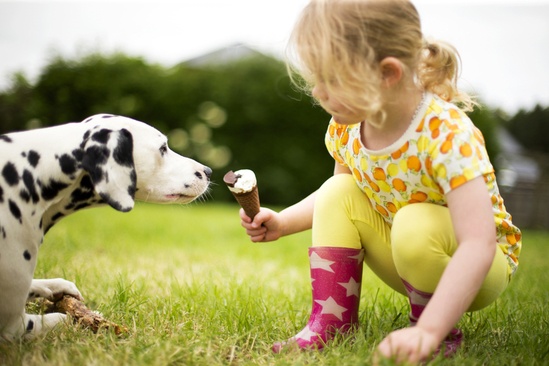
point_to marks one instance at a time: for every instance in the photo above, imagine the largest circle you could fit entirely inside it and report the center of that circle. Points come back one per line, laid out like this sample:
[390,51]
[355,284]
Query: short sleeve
[459,156]
[336,140]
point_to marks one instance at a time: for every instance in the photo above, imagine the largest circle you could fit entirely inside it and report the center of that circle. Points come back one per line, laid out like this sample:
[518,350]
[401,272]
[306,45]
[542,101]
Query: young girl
[413,195]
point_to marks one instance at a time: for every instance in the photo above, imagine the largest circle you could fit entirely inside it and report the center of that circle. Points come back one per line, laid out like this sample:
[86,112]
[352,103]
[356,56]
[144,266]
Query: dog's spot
[84,194]
[68,164]
[86,183]
[85,138]
[124,149]
[33,158]
[48,228]
[5,138]
[114,204]
[30,326]
[27,255]
[101,136]
[94,158]
[57,216]
[1,194]
[97,174]
[3,232]
[28,179]
[25,196]
[97,154]
[82,205]
[15,211]
[51,190]
[78,196]
[9,172]
[133,186]
[78,154]
[96,116]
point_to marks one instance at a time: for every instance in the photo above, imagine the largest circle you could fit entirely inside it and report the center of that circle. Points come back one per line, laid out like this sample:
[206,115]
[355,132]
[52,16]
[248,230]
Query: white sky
[504,45]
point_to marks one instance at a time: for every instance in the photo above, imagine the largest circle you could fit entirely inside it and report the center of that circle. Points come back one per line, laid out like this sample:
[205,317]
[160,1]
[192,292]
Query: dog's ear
[108,159]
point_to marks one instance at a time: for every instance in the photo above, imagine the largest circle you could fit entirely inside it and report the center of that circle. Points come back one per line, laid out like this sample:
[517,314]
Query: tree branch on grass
[82,315]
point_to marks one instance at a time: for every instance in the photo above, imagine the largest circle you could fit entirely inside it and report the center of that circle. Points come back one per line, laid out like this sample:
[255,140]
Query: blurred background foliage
[244,113]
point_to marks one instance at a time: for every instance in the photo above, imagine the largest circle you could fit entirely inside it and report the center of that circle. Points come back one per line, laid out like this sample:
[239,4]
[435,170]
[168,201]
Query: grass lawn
[193,290]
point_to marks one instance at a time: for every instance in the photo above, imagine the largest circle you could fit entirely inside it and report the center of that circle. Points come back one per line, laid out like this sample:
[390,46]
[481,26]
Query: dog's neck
[53,181]
[78,195]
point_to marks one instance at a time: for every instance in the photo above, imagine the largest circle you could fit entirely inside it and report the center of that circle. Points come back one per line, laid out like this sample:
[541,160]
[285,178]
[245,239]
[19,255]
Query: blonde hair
[342,42]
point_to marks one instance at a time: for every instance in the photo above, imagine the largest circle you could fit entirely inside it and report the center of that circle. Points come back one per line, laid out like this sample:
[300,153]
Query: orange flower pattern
[441,150]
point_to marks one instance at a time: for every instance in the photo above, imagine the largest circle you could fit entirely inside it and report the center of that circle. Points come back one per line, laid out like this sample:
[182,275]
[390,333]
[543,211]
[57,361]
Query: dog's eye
[163,149]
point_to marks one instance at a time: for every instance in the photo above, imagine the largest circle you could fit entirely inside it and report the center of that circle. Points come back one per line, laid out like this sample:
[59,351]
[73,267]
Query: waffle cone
[249,201]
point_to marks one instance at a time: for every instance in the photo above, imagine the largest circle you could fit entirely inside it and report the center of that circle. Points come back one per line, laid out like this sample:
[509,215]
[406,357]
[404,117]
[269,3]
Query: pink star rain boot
[336,275]
[418,301]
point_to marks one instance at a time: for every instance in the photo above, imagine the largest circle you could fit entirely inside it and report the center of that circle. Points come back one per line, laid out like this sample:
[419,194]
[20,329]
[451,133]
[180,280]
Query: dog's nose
[207,172]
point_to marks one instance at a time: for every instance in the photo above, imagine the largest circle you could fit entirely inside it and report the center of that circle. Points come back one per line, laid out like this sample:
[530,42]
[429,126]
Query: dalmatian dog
[49,173]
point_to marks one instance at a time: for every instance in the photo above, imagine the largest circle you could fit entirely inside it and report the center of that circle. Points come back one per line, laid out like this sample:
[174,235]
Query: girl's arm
[269,225]
[472,217]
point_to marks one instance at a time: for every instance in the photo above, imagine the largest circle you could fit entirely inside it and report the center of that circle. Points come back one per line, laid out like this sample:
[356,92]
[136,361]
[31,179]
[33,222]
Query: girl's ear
[391,71]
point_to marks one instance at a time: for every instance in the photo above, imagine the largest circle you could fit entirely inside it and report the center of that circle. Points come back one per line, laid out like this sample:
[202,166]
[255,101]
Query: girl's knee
[339,206]
[494,284]
[339,182]
[420,219]
[422,233]
[337,189]
[421,222]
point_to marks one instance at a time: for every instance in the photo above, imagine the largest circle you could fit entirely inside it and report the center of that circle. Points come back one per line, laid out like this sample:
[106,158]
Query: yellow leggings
[416,248]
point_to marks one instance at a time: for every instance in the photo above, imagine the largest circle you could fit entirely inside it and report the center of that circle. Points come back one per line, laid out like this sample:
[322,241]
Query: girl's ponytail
[438,72]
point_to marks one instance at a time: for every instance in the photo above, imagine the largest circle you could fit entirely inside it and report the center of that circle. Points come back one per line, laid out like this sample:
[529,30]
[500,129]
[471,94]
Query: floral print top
[441,150]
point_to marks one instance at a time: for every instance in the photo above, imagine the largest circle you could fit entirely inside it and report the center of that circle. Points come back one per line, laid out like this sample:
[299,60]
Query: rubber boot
[336,275]
[418,301]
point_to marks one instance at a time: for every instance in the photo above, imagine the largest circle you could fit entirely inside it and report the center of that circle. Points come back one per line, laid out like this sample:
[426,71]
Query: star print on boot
[336,275]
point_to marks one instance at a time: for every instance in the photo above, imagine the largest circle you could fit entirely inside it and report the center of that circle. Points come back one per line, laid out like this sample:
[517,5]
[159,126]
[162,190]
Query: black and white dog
[49,173]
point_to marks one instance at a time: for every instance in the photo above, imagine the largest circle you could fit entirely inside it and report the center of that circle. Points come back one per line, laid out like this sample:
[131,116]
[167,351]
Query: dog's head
[129,160]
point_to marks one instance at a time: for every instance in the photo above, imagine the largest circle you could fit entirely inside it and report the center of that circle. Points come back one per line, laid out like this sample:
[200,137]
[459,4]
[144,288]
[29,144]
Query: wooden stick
[82,315]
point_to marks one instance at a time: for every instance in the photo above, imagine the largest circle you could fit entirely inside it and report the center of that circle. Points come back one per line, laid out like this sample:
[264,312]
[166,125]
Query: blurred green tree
[531,128]
[70,90]
[14,102]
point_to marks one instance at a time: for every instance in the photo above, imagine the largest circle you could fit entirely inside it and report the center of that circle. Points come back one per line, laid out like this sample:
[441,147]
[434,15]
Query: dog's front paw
[36,324]
[53,289]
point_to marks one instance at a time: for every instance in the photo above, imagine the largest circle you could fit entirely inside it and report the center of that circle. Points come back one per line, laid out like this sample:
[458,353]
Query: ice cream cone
[249,201]
[245,191]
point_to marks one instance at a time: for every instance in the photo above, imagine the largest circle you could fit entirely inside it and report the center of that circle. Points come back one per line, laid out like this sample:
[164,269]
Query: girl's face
[332,105]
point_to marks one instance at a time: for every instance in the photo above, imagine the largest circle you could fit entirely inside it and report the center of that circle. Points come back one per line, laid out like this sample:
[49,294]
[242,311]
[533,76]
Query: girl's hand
[266,225]
[408,345]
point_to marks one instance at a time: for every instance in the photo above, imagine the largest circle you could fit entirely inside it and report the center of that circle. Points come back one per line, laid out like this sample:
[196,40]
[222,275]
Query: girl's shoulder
[445,120]
[341,131]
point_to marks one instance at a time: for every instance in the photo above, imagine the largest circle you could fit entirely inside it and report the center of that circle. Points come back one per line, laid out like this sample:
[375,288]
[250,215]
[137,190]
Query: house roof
[223,55]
